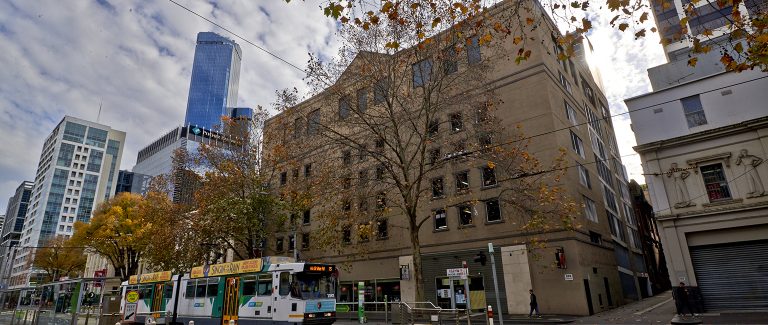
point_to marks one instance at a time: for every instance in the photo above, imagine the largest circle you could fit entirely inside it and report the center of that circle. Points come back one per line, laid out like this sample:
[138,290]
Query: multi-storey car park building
[78,169]
[542,94]
[14,222]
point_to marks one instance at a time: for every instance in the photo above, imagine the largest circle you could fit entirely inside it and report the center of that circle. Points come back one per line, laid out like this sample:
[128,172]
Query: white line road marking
[652,307]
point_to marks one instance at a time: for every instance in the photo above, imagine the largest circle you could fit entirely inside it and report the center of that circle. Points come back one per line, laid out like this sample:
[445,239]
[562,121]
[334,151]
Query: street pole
[495,283]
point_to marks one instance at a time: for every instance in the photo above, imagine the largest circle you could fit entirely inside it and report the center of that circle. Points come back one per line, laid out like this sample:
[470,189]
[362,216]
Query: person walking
[534,304]
[682,300]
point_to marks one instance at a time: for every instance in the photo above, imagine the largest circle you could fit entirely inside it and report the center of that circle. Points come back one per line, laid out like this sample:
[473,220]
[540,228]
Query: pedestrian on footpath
[534,304]
[682,300]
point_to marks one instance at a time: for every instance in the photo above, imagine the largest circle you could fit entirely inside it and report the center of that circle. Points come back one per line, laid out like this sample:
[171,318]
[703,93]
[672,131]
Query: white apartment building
[78,169]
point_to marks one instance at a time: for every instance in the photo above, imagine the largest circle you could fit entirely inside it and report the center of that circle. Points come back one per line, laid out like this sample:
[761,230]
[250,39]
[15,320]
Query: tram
[270,290]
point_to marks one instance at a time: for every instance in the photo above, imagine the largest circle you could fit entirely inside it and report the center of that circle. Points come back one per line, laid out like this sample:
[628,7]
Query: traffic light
[560,258]
[480,258]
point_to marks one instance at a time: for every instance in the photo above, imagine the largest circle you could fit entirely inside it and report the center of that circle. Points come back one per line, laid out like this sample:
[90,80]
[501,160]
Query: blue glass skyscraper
[215,79]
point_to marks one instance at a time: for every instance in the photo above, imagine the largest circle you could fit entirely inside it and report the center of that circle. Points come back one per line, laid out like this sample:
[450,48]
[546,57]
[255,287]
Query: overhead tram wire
[490,146]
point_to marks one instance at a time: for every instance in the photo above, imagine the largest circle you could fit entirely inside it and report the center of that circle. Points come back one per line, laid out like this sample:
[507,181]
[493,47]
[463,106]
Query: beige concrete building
[556,102]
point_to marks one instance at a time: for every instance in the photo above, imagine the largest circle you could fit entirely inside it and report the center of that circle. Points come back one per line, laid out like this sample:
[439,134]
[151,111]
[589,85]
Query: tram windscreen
[314,285]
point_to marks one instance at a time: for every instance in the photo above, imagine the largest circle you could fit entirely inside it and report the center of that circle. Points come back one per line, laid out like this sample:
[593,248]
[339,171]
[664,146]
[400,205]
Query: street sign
[569,277]
[342,308]
[457,273]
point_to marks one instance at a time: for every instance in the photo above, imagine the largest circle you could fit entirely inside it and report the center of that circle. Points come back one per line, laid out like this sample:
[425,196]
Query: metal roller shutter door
[732,276]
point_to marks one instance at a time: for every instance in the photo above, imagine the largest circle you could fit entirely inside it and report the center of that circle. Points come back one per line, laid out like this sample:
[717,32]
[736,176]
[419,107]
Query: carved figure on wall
[750,171]
[678,175]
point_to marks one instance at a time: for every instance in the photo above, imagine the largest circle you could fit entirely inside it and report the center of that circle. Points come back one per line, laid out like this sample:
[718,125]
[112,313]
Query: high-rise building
[464,203]
[132,182]
[78,166]
[11,230]
[701,138]
[158,158]
[215,79]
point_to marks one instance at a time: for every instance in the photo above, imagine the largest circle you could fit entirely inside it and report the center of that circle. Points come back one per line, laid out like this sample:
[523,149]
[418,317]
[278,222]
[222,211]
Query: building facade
[11,231]
[653,251]
[541,94]
[78,169]
[215,80]
[131,182]
[702,144]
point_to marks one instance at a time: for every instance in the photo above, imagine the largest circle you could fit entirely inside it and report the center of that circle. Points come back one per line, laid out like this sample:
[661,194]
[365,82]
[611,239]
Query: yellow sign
[150,277]
[132,296]
[247,266]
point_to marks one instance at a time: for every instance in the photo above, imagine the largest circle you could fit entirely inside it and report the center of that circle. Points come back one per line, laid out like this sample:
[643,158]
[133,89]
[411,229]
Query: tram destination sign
[163,276]
[246,266]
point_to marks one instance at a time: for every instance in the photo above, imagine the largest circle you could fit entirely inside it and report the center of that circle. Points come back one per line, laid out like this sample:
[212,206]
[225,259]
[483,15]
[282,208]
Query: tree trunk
[417,271]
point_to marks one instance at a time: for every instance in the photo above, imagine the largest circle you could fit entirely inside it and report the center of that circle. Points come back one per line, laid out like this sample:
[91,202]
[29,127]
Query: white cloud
[135,57]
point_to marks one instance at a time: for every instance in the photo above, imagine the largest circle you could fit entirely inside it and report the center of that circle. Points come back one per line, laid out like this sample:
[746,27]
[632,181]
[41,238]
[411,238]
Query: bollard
[490,315]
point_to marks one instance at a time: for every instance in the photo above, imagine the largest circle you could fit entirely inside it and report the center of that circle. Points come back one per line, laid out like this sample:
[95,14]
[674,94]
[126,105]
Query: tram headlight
[328,314]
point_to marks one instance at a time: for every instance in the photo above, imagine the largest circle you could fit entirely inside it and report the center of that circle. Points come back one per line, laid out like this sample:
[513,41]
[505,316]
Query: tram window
[265,285]
[168,291]
[190,292]
[200,289]
[285,283]
[249,286]
[213,288]
[145,292]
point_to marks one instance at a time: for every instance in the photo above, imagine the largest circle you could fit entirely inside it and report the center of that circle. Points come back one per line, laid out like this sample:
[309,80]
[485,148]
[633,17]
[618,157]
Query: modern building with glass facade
[215,79]
[77,170]
[11,230]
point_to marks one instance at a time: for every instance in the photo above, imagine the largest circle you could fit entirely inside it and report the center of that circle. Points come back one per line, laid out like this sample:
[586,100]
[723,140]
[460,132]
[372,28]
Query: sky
[134,58]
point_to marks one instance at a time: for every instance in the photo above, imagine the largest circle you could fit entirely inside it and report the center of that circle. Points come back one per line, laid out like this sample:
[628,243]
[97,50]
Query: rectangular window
[94,161]
[346,157]
[715,182]
[570,113]
[465,215]
[433,128]
[457,124]
[489,176]
[362,153]
[382,229]
[380,172]
[434,156]
[307,170]
[590,211]
[96,137]
[616,226]
[362,100]
[610,199]
[564,82]
[364,232]
[249,286]
[297,127]
[381,201]
[313,122]
[492,210]
[595,238]
[304,241]
[291,243]
[422,72]
[584,176]
[346,235]
[306,217]
[279,244]
[450,65]
[485,140]
[380,90]
[362,177]
[441,220]
[694,112]
[473,51]
[74,132]
[283,178]
[462,181]
[577,144]
[437,187]
[344,107]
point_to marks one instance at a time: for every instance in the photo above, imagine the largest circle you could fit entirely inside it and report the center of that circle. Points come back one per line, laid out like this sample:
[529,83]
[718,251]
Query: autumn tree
[742,42]
[375,120]
[234,209]
[59,257]
[121,229]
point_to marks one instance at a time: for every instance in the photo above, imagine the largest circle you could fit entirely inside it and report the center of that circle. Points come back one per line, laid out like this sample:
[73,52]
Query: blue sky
[135,57]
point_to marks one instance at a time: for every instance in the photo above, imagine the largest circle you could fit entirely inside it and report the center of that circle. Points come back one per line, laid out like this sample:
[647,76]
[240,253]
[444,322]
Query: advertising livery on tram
[270,290]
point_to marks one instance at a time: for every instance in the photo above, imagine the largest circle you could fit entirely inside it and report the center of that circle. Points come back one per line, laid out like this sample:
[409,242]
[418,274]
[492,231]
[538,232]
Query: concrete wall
[517,277]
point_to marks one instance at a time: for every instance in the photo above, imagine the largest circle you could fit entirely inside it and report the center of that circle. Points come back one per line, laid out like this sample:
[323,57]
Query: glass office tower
[215,79]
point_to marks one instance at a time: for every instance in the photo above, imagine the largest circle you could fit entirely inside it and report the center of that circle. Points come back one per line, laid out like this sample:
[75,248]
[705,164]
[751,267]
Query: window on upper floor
[450,65]
[441,220]
[307,170]
[577,144]
[489,176]
[306,217]
[473,50]
[457,124]
[380,90]
[462,181]
[564,82]
[434,156]
[382,229]
[346,157]
[297,127]
[438,188]
[346,234]
[344,107]
[433,128]
[465,214]
[422,72]
[305,241]
[694,112]
[362,100]
[492,211]
[584,176]
[313,122]
[715,182]
[590,210]
[570,113]
[283,178]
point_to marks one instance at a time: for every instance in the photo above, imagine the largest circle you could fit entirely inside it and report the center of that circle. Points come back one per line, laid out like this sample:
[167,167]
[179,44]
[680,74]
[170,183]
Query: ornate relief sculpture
[678,175]
[750,172]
